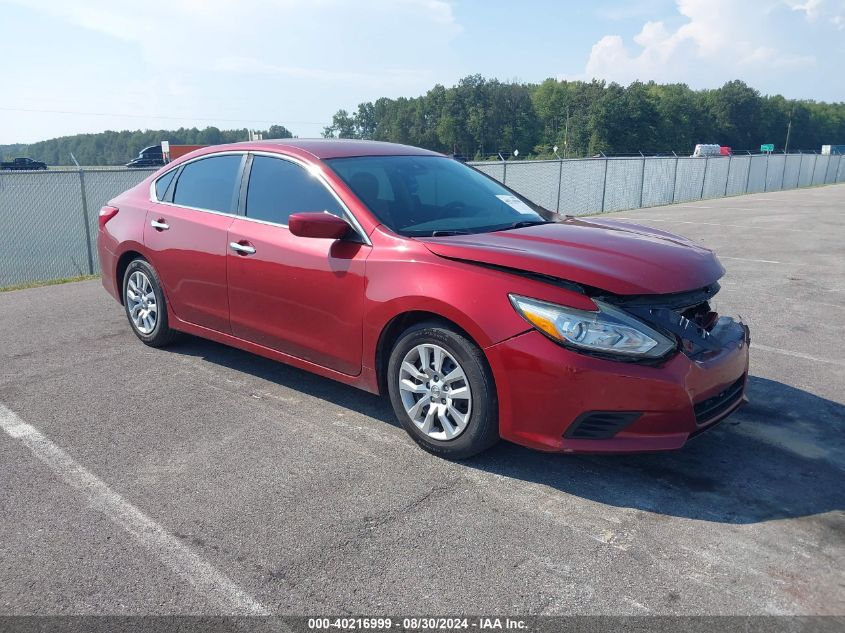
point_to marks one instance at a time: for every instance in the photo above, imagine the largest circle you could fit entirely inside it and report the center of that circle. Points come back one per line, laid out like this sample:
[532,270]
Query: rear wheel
[442,391]
[145,306]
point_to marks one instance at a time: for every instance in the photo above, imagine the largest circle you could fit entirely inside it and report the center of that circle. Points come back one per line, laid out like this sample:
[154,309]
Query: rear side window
[163,183]
[209,183]
[279,187]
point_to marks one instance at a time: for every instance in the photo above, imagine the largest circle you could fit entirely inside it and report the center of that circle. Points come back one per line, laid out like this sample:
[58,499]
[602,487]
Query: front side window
[433,195]
[209,183]
[277,188]
[163,183]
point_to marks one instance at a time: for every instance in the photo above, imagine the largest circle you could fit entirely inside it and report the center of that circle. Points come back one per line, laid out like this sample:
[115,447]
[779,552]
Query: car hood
[618,257]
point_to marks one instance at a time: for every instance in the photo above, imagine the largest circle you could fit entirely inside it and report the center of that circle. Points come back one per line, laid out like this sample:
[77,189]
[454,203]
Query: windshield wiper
[522,224]
[446,233]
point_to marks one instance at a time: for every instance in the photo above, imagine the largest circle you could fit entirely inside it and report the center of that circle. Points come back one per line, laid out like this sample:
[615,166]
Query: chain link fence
[583,186]
[48,219]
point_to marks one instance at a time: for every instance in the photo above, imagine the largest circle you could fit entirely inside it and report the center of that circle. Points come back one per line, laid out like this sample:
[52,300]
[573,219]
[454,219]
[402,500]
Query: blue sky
[92,65]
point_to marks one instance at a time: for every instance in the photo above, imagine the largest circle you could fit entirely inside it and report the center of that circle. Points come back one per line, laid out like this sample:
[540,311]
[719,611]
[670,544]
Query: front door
[300,296]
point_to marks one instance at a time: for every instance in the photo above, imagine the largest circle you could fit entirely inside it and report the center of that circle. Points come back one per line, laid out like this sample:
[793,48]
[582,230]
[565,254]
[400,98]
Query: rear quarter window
[163,183]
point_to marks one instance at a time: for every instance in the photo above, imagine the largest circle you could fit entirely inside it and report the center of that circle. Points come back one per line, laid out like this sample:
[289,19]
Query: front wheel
[442,391]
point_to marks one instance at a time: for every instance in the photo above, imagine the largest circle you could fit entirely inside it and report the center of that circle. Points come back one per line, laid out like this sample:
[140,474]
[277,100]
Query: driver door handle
[242,249]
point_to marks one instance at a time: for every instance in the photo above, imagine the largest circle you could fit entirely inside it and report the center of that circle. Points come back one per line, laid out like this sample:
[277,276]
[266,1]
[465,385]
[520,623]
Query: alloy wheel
[141,302]
[435,392]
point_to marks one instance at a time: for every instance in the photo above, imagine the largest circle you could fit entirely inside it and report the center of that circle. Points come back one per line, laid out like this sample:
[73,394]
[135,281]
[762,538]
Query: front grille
[707,410]
[600,425]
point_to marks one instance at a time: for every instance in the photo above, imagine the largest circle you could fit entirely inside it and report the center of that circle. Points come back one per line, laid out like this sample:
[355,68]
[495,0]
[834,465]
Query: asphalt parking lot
[204,480]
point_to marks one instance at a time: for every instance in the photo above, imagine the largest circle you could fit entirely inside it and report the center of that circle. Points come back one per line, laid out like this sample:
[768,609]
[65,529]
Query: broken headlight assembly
[607,331]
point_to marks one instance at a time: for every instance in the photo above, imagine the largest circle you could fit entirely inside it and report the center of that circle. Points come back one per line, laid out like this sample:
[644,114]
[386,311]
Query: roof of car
[339,148]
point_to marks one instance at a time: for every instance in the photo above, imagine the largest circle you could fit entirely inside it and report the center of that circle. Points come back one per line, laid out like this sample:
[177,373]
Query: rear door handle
[242,249]
[160,225]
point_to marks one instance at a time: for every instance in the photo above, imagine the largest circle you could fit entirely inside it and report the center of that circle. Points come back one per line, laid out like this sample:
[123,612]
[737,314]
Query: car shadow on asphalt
[781,456]
[286,376]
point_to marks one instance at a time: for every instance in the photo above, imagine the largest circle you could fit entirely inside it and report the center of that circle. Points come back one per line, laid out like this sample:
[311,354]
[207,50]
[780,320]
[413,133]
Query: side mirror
[320,225]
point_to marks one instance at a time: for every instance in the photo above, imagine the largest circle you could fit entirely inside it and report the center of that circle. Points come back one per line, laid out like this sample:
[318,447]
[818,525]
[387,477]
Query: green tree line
[117,148]
[479,118]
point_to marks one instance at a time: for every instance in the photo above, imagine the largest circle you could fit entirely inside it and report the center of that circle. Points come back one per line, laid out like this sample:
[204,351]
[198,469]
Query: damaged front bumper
[555,399]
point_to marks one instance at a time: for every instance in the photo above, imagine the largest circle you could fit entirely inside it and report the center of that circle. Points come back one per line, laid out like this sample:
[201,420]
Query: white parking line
[787,352]
[167,548]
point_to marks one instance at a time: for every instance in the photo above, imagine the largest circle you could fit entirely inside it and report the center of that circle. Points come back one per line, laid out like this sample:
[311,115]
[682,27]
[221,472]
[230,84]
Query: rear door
[300,296]
[186,231]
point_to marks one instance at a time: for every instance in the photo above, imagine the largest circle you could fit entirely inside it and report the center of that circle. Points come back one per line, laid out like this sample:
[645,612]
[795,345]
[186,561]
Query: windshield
[433,195]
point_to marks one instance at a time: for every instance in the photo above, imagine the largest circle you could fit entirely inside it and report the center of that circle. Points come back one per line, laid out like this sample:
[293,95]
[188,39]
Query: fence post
[559,184]
[604,187]
[88,246]
[642,180]
[783,173]
[748,172]
[766,174]
[704,177]
[815,164]
[675,180]
[728,175]
[800,167]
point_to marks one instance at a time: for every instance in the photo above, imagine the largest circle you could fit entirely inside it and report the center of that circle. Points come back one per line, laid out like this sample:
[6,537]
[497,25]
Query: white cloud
[811,8]
[832,11]
[714,41]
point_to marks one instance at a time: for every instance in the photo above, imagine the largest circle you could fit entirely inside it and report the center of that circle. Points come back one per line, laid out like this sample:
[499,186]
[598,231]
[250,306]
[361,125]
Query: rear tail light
[106,214]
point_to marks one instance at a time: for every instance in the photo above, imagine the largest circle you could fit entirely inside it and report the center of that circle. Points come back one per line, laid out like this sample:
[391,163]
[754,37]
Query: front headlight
[607,331]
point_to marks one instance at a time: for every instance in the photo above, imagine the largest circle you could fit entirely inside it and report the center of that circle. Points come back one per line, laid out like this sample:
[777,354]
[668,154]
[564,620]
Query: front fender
[475,298]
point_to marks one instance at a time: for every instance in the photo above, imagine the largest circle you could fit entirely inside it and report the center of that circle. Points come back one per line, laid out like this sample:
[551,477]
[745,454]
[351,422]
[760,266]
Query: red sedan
[401,271]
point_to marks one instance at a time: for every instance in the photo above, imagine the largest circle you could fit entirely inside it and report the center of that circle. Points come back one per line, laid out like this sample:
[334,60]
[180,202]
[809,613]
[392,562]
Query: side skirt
[366,380]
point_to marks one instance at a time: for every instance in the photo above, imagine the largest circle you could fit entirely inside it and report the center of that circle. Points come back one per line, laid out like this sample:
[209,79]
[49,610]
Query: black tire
[482,429]
[161,333]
